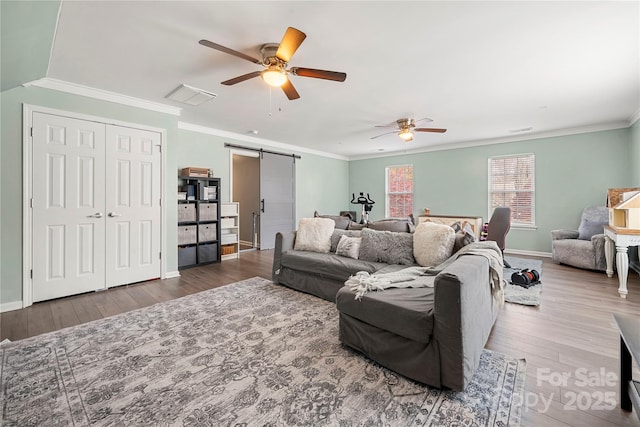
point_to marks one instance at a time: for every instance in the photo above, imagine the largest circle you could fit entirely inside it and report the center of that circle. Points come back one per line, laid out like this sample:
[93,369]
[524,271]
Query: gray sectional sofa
[432,335]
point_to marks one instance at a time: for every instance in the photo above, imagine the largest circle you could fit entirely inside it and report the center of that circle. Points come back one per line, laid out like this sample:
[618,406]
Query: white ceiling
[479,69]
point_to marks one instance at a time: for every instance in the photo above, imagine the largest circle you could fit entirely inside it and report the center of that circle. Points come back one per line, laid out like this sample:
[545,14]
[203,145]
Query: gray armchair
[582,248]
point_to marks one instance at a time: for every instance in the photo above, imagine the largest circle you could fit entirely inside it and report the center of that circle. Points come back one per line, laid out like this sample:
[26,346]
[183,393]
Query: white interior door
[133,214]
[68,228]
[277,197]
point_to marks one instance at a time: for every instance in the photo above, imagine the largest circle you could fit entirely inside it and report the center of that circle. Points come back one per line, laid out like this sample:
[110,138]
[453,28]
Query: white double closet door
[96,214]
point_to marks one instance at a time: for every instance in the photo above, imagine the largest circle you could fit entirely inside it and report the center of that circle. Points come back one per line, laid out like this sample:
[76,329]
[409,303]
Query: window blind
[512,184]
[399,191]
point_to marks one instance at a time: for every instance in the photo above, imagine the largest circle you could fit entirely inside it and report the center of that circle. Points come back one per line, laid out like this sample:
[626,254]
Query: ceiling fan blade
[241,78]
[421,120]
[224,49]
[291,41]
[290,91]
[383,134]
[319,74]
[436,130]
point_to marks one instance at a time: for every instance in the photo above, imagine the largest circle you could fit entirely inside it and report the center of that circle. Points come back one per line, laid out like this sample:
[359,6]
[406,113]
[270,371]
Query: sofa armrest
[464,313]
[564,234]
[284,242]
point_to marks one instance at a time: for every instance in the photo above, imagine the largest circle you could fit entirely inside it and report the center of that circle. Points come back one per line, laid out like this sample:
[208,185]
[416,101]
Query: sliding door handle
[262,205]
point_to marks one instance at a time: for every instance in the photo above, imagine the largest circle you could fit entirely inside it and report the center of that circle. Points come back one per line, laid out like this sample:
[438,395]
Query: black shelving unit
[198,221]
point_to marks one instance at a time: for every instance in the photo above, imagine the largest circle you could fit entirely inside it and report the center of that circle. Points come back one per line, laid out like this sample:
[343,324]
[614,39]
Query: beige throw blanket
[421,277]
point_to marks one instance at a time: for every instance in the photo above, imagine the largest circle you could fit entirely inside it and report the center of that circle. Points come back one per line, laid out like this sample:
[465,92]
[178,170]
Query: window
[512,184]
[399,194]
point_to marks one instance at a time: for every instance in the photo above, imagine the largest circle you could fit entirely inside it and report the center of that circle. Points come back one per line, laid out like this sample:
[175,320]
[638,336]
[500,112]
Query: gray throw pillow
[337,234]
[588,229]
[342,222]
[349,247]
[387,246]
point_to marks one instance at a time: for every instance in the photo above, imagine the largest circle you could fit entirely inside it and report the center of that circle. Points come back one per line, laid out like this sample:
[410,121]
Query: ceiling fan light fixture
[274,76]
[406,135]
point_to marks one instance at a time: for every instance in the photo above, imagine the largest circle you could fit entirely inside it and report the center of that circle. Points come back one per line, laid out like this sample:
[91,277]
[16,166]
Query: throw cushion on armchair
[588,229]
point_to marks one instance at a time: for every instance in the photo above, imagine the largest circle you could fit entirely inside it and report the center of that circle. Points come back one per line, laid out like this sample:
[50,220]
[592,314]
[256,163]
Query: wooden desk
[622,238]
[629,327]
[474,221]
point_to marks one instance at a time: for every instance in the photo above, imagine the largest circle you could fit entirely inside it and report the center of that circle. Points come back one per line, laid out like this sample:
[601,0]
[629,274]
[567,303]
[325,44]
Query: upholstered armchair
[584,247]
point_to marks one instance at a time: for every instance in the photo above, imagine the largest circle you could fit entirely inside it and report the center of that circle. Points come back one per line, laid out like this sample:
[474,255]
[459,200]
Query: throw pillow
[462,239]
[314,235]
[588,229]
[337,235]
[387,246]
[349,247]
[432,243]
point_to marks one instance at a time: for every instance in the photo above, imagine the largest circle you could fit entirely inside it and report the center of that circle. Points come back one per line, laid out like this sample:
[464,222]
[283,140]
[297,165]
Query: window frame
[531,191]
[387,192]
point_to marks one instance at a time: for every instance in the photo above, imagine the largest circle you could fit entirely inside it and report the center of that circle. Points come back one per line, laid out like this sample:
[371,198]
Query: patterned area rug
[517,294]
[250,354]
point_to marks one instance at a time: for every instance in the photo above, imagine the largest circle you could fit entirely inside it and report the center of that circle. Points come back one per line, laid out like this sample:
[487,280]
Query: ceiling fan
[406,128]
[275,59]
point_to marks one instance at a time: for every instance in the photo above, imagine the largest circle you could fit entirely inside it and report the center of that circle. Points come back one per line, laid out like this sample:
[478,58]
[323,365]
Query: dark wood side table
[629,327]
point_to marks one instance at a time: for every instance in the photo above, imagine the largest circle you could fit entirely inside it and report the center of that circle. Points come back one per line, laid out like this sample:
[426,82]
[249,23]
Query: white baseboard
[171,274]
[525,252]
[10,306]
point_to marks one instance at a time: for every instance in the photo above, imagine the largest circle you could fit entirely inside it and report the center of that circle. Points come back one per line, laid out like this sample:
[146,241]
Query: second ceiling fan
[406,127]
[275,59]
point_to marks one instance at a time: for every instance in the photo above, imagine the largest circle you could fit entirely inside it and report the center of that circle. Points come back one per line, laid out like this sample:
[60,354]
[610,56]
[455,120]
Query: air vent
[190,95]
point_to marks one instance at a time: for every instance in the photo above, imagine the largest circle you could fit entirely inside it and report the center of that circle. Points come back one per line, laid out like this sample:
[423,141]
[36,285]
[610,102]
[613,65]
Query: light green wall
[571,172]
[321,182]
[634,157]
[26,26]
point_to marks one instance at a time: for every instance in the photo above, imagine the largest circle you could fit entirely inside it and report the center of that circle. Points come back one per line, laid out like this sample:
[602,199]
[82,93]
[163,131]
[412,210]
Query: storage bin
[186,212]
[207,253]
[227,222]
[229,238]
[186,256]
[207,211]
[228,249]
[207,232]
[229,209]
[191,171]
[186,234]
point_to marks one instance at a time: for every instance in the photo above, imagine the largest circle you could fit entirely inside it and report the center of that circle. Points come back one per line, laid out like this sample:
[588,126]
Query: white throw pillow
[349,246]
[432,243]
[314,235]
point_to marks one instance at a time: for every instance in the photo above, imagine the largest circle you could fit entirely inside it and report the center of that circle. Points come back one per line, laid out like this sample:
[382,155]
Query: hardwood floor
[571,333]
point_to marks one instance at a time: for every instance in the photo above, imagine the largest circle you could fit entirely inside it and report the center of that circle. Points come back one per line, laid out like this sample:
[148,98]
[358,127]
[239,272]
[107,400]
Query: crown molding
[478,143]
[103,95]
[255,140]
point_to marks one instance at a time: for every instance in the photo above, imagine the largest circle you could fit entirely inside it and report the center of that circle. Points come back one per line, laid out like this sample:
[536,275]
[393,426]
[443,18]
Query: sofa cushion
[327,265]
[387,247]
[349,247]
[404,312]
[314,234]
[588,229]
[398,225]
[337,234]
[341,222]
[432,243]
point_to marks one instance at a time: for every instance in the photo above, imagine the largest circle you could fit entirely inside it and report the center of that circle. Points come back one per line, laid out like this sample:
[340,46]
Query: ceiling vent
[190,95]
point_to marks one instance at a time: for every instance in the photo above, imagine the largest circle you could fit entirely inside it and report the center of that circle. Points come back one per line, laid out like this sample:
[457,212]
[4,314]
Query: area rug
[248,354]
[517,294]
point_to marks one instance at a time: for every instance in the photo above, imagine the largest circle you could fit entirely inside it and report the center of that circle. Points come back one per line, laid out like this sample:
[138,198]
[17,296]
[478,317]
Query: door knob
[113,214]
[95,215]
